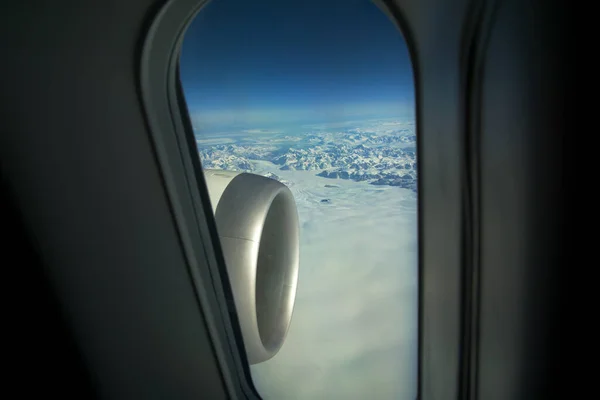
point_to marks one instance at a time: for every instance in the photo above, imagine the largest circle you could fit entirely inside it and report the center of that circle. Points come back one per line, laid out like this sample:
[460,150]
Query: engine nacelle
[257,223]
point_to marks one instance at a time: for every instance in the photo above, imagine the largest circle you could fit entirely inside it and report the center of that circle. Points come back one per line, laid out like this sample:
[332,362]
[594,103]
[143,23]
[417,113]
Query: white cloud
[354,329]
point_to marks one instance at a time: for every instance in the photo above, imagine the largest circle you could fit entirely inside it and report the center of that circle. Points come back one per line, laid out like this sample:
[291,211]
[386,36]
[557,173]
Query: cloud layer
[354,329]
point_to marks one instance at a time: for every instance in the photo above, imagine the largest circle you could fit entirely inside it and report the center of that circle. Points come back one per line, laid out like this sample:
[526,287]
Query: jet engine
[257,223]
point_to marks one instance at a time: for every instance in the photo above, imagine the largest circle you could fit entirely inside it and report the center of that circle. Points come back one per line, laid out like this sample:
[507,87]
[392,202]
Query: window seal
[171,136]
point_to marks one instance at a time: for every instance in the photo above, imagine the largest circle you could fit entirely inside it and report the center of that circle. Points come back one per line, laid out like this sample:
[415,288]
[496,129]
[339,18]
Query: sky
[255,64]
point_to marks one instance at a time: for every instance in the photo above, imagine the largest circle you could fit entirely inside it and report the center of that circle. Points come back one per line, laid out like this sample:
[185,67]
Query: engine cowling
[257,223]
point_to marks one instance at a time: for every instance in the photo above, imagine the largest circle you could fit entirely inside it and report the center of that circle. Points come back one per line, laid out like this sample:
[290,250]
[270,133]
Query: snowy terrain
[354,329]
[378,156]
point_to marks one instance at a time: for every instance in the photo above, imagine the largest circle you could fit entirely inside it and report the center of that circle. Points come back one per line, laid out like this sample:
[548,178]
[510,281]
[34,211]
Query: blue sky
[260,63]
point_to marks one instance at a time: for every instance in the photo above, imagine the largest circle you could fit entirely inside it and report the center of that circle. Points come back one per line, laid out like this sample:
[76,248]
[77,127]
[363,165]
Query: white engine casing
[257,223]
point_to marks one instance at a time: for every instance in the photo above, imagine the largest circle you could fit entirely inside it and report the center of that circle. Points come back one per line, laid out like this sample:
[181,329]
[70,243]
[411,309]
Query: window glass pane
[319,95]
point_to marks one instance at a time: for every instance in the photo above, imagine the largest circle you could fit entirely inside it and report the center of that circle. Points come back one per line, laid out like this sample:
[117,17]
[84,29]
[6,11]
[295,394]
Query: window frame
[442,199]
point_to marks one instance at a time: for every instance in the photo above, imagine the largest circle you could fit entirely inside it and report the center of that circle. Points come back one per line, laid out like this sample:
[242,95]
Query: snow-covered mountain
[360,156]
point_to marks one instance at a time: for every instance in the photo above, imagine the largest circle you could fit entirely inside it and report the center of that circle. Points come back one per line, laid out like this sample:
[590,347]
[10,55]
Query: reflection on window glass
[319,95]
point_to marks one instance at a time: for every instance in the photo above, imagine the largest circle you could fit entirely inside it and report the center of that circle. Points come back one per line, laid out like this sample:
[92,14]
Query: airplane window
[316,97]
